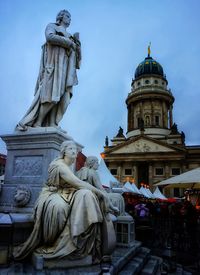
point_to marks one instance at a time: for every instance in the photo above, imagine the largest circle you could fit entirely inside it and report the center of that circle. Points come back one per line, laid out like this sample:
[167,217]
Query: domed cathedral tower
[150,102]
[152,149]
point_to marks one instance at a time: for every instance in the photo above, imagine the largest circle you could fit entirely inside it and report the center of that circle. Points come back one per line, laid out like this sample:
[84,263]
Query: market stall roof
[149,193]
[145,192]
[190,179]
[158,195]
[105,176]
[131,188]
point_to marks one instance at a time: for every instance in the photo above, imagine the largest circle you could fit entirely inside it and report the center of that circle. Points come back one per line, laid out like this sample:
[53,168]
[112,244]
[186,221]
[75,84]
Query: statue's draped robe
[57,76]
[67,221]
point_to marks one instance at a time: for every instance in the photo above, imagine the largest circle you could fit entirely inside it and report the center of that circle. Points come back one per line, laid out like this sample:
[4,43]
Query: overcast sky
[114,35]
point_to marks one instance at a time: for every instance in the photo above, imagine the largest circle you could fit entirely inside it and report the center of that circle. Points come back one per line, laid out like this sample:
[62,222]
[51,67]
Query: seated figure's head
[68,149]
[92,162]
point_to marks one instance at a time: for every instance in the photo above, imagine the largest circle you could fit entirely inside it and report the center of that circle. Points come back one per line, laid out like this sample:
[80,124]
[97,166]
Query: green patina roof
[149,66]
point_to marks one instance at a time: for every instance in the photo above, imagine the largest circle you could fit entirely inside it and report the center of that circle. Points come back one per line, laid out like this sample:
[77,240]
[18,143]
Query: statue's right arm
[53,38]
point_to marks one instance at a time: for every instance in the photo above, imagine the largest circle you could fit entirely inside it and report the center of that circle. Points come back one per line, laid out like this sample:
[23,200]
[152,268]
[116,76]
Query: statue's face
[71,151]
[66,18]
[96,164]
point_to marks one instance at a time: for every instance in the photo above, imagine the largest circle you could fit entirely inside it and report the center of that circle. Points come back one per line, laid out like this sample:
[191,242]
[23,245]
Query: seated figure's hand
[114,209]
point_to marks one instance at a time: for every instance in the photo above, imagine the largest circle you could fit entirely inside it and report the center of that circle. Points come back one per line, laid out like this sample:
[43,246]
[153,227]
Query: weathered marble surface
[89,173]
[71,217]
[28,157]
[61,56]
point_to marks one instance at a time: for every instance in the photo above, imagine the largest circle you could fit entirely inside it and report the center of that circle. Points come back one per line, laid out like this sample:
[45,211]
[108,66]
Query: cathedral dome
[149,66]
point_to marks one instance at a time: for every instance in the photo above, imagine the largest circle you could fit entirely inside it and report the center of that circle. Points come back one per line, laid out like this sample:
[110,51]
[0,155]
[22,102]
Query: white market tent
[149,193]
[106,177]
[158,195]
[190,179]
[131,188]
[145,192]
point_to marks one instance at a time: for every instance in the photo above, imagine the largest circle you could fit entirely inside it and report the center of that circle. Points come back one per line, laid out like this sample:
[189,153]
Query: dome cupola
[149,66]
[150,102]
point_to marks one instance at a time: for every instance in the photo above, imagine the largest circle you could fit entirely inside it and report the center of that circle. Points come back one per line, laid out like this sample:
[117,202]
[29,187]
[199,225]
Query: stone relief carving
[22,195]
[141,146]
[28,166]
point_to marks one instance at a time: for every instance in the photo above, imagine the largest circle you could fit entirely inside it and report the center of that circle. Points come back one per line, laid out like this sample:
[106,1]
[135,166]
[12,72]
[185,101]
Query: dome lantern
[149,66]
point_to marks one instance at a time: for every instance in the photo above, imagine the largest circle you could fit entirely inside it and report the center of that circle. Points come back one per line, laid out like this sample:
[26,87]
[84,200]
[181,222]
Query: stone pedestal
[29,154]
[5,238]
[40,263]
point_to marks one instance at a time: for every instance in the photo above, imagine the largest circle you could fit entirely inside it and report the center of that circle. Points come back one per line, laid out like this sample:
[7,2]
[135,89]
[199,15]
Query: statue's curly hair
[90,161]
[64,145]
[60,15]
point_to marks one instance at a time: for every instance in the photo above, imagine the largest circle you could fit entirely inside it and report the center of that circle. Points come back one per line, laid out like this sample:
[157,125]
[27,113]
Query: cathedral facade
[153,148]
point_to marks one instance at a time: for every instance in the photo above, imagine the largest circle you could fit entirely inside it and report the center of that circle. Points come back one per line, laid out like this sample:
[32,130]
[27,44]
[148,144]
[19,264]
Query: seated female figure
[68,214]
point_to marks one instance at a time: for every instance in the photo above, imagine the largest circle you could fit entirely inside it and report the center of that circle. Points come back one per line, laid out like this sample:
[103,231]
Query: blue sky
[114,35]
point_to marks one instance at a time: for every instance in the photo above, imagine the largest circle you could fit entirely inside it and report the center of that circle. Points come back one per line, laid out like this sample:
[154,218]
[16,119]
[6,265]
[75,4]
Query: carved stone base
[40,263]
[28,157]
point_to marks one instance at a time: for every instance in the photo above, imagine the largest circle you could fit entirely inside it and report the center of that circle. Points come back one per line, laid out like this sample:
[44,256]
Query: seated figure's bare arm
[97,181]
[69,177]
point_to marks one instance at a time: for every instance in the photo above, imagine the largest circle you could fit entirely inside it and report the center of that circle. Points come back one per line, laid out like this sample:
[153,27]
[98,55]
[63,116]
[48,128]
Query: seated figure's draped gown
[67,221]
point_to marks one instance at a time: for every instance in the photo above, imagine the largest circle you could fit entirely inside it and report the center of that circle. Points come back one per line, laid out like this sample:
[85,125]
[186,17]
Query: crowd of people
[161,224]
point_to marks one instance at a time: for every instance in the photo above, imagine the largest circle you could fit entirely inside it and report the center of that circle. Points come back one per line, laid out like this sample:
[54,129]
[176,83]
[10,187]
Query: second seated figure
[71,216]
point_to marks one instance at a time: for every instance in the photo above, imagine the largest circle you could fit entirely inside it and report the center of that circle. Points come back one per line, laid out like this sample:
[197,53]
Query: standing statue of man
[61,56]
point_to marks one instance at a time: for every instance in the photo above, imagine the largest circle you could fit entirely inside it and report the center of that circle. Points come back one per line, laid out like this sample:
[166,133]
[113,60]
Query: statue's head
[68,148]
[92,162]
[63,15]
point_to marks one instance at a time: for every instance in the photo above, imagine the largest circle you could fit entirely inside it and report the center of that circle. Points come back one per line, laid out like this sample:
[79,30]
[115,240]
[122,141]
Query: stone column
[132,117]
[129,118]
[135,170]
[119,173]
[152,113]
[167,171]
[170,116]
[163,115]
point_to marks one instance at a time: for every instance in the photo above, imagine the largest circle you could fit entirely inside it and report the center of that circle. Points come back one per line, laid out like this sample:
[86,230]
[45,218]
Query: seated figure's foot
[37,125]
